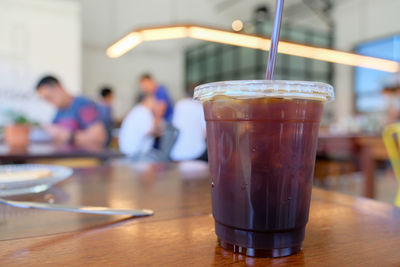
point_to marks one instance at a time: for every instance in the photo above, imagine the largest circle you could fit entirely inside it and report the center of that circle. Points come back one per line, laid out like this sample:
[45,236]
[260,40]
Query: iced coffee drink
[262,139]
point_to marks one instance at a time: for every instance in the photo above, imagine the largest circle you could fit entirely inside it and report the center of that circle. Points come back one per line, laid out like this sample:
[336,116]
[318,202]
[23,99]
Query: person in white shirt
[136,133]
[188,118]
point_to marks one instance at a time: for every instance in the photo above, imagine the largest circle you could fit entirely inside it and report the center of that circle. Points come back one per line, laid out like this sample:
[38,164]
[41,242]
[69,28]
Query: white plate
[27,185]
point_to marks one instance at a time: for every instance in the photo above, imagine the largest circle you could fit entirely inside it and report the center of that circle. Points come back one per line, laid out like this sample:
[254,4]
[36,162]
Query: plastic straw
[274,40]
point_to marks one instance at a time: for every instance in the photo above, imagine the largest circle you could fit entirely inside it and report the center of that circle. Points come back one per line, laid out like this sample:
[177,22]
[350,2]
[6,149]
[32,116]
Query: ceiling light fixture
[237,25]
[127,43]
[164,33]
[134,38]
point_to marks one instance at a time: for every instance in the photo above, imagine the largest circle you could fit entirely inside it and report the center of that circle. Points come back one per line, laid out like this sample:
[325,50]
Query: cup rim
[247,89]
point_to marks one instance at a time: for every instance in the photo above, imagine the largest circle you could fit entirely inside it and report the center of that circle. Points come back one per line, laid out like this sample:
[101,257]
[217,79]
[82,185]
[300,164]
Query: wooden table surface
[342,230]
[39,151]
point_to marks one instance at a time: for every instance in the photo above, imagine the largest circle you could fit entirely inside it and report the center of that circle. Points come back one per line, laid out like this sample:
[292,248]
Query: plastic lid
[265,88]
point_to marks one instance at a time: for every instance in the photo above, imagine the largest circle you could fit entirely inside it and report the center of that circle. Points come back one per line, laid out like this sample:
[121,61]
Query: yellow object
[391,138]
[198,32]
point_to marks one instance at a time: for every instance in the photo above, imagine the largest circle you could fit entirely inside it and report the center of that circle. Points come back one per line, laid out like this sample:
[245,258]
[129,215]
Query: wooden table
[342,230]
[365,150]
[44,151]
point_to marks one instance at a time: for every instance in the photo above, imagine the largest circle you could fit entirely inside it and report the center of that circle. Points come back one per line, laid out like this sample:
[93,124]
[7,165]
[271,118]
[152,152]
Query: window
[369,83]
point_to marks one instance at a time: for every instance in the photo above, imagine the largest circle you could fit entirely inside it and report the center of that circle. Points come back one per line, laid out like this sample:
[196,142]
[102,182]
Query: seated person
[105,108]
[77,120]
[188,118]
[164,108]
[136,133]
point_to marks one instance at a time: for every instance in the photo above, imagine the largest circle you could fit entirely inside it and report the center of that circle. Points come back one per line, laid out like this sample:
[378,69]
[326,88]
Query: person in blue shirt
[77,120]
[164,107]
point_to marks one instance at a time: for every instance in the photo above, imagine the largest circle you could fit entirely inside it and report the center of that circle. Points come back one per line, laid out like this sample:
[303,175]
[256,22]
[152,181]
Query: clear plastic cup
[262,139]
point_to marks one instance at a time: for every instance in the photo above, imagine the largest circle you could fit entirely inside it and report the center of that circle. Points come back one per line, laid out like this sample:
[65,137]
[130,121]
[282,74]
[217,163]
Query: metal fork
[78,209]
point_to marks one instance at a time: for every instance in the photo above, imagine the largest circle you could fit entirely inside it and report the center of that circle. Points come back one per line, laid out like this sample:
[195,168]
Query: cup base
[260,244]
[261,253]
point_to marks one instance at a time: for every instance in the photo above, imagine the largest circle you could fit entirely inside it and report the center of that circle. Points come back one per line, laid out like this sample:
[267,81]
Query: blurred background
[67,40]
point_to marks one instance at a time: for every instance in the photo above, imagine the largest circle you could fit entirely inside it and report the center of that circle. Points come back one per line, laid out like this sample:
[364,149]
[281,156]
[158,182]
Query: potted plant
[16,134]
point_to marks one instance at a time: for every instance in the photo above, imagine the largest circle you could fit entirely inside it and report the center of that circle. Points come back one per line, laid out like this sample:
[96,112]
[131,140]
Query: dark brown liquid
[262,156]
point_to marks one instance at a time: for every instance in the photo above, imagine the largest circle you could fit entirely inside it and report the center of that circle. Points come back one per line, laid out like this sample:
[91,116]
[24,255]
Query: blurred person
[107,95]
[164,108]
[107,99]
[137,129]
[77,120]
[158,128]
[189,119]
[105,107]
